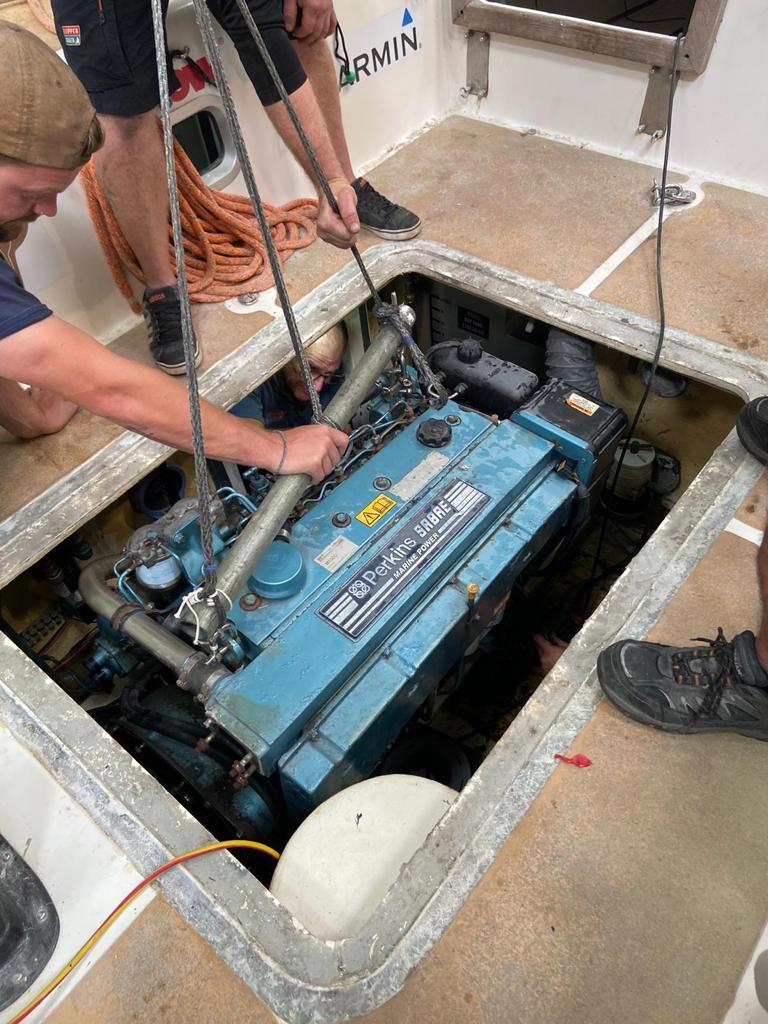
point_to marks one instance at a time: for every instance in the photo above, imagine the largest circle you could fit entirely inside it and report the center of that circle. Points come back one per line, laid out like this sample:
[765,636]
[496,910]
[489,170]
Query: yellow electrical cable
[232,844]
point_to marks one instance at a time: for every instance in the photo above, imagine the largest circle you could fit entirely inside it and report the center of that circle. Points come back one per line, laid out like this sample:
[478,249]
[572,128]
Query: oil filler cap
[434,433]
[280,573]
[470,351]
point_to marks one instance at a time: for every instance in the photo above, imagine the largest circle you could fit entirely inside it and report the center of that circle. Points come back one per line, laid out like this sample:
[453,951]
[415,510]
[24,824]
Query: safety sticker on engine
[375,510]
[381,580]
[582,404]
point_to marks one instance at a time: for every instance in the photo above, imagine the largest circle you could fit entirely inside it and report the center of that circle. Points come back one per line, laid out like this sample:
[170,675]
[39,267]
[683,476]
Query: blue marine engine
[379,583]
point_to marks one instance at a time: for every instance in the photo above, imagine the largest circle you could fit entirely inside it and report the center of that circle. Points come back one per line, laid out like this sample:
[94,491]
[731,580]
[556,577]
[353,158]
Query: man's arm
[55,355]
[340,231]
[30,412]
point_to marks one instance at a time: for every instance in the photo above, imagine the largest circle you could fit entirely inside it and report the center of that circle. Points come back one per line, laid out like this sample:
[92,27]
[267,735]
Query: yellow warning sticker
[582,404]
[376,510]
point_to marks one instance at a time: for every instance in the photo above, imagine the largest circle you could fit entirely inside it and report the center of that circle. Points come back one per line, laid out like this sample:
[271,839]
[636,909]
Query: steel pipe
[168,648]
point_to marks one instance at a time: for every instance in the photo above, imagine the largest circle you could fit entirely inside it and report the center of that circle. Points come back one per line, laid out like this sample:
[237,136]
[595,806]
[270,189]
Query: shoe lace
[721,650]
[376,200]
[164,322]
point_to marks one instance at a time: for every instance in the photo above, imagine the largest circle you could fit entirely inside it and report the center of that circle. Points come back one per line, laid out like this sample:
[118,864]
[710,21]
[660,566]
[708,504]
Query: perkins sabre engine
[356,616]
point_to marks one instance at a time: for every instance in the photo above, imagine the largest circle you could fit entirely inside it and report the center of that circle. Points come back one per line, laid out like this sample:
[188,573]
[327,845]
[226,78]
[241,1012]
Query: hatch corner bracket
[478,55]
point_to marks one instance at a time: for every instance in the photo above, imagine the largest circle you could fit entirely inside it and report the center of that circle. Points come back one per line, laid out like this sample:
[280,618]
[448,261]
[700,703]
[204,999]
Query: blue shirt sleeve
[252,406]
[18,308]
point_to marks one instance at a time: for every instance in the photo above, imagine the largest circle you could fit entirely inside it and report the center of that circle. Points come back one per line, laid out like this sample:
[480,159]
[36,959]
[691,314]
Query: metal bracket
[478,55]
[653,117]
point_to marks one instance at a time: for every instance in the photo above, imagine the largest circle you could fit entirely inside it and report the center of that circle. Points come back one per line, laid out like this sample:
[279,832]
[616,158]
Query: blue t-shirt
[18,308]
[277,408]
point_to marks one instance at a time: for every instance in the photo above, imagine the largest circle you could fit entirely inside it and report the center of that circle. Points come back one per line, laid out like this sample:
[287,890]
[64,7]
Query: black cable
[341,53]
[662,322]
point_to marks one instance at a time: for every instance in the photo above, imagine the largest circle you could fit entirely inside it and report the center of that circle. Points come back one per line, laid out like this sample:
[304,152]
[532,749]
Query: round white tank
[340,862]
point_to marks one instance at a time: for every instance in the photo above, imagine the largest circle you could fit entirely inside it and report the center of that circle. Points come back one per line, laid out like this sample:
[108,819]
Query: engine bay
[366,634]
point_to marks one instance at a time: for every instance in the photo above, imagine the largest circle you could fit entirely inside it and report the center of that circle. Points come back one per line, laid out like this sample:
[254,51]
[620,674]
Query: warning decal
[582,404]
[376,510]
[358,604]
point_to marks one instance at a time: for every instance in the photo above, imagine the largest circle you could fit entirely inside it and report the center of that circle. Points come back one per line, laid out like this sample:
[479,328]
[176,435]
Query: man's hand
[312,450]
[32,412]
[340,231]
[318,19]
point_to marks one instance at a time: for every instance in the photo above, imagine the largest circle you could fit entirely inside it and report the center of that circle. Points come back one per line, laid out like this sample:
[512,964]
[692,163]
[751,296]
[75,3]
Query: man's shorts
[110,46]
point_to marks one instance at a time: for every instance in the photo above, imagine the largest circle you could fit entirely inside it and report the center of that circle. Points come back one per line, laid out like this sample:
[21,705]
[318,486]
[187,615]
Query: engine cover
[340,667]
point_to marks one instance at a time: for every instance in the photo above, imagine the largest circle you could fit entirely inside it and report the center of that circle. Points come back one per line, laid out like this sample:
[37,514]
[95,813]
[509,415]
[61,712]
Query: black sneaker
[752,428]
[382,217]
[162,312]
[696,689]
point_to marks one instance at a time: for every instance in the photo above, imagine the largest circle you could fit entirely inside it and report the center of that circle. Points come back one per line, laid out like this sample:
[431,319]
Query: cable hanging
[208,589]
[384,312]
[613,475]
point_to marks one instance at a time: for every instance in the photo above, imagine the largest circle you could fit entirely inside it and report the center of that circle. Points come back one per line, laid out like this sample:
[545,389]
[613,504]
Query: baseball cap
[47,116]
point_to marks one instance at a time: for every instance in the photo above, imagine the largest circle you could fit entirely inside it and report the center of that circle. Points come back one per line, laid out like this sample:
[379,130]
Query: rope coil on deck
[224,249]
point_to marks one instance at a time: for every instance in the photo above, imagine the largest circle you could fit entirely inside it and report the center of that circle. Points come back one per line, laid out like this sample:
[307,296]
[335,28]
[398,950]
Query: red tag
[578,760]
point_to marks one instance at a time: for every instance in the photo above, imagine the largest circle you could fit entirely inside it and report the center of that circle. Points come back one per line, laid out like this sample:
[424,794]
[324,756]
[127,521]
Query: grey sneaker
[383,217]
[162,313]
[714,688]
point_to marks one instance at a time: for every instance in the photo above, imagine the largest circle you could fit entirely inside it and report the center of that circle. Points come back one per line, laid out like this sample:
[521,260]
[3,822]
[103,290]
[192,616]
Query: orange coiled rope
[223,247]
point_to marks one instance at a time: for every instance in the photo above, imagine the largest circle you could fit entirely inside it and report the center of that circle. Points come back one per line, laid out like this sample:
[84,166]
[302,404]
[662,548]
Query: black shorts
[110,46]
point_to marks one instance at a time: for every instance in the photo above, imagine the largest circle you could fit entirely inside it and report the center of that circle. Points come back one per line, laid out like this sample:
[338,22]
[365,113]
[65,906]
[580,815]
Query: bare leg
[131,170]
[317,61]
[308,110]
[761,641]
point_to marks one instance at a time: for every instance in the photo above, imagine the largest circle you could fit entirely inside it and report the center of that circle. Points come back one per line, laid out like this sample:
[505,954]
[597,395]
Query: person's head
[48,129]
[325,357]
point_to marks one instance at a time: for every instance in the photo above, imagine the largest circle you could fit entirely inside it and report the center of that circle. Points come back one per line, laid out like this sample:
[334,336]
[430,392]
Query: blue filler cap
[280,573]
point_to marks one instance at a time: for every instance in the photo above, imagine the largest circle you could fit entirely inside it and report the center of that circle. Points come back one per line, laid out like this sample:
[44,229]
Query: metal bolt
[453,420]
[249,602]
[341,519]
[381,483]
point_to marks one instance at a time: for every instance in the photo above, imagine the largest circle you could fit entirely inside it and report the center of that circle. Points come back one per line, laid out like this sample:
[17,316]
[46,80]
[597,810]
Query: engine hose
[258,783]
[189,665]
[572,360]
[186,732]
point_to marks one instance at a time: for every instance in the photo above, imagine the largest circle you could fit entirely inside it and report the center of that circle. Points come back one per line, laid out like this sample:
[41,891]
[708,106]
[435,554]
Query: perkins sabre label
[382,579]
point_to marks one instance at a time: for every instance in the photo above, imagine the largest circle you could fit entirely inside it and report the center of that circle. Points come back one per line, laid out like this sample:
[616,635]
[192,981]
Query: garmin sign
[385,42]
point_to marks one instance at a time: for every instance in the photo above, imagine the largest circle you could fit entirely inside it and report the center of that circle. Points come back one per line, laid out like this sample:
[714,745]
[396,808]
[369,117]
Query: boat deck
[633,891]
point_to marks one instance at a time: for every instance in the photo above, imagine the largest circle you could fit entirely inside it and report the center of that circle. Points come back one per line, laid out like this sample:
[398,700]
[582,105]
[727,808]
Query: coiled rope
[224,250]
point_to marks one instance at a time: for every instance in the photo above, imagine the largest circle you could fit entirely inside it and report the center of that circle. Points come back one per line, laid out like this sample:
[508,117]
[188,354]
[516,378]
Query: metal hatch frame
[591,37]
[299,977]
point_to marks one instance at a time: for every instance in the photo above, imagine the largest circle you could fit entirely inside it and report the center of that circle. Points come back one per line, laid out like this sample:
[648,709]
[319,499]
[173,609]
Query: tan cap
[47,116]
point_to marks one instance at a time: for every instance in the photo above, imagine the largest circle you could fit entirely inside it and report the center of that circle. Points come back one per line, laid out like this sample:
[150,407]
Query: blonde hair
[329,347]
